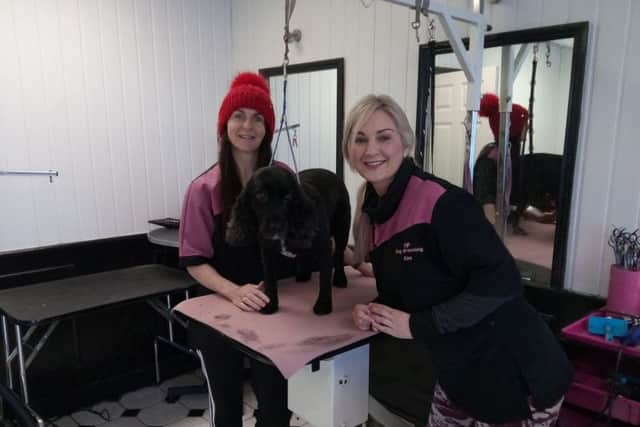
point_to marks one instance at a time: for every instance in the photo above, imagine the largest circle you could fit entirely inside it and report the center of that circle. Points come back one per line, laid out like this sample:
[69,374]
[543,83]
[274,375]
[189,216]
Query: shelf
[591,388]
[578,331]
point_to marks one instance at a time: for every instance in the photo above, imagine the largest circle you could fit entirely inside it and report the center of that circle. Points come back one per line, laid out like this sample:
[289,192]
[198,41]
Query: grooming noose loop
[284,124]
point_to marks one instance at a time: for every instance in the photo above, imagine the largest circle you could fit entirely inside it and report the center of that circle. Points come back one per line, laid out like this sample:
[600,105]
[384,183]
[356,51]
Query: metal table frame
[46,304]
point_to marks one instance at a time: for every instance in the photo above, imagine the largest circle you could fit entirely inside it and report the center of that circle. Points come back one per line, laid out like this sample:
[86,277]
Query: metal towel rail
[50,173]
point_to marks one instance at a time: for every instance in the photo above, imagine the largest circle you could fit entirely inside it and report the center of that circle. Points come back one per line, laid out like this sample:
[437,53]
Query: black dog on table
[297,220]
[537,181]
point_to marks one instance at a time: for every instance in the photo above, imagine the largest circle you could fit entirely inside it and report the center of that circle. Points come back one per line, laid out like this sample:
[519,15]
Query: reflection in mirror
[548,84]
[530,239]
[314,113]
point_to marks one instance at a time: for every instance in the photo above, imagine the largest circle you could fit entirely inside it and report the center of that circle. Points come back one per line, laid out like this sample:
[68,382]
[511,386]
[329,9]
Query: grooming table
[47,303]
[325,358]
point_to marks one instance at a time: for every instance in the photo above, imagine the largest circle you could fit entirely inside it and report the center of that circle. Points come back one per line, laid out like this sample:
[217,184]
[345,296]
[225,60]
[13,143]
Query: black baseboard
[73,259]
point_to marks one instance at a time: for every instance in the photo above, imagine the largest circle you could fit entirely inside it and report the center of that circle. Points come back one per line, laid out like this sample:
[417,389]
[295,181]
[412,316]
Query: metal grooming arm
[470,60]
[510,68]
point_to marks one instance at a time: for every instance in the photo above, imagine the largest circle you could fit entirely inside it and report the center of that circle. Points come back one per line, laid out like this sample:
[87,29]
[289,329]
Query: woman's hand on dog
[389,321]
[249,297]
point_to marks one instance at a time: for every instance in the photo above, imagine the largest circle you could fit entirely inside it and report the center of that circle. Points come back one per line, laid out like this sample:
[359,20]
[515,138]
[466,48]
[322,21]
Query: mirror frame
[579,32]
[327,64]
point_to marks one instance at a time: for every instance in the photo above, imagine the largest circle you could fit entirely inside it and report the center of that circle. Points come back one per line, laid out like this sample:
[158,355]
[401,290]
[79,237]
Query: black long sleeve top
[436,257]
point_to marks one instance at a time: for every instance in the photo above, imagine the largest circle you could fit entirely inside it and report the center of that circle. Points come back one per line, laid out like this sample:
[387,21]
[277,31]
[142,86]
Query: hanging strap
[284,125]
[424,143]
[534,67]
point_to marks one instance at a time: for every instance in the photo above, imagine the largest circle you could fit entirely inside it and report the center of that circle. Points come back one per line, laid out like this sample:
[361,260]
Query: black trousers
[225,369]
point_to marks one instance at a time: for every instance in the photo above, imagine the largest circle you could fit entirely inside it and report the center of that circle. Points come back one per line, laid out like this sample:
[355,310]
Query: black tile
[130,413]
[195,413]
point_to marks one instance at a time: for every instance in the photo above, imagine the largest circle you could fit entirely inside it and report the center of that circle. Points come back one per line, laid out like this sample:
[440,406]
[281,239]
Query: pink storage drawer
[590,388]
[591,393]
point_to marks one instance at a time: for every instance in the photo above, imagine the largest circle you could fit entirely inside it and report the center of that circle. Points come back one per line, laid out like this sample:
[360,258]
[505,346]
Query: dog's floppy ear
[304,219]
[243,224]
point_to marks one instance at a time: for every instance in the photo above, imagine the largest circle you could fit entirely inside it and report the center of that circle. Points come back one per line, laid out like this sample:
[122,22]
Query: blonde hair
[357,117]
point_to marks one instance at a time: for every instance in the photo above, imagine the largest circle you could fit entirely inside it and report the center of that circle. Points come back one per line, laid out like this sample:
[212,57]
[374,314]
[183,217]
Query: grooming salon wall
[120,98]
[381,55]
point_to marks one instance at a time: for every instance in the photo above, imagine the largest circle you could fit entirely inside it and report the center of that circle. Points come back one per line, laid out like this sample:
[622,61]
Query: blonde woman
[446,279]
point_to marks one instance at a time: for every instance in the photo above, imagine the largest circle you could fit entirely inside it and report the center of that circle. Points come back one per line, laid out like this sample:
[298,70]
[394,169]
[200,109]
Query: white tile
[195,401]
[143,398]
[191,422]
[249,396]
[181,380]
[86,418]
[112,409]
[163,413]
[247,411]
[66,421]
[124,422]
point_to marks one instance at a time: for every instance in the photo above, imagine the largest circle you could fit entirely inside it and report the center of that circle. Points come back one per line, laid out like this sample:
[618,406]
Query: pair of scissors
[616,242]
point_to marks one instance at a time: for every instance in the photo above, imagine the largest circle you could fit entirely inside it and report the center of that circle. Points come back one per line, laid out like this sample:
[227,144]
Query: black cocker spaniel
[297,220]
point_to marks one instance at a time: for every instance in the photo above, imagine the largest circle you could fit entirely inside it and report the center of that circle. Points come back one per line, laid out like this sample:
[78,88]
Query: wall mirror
[315,113]
[555,97]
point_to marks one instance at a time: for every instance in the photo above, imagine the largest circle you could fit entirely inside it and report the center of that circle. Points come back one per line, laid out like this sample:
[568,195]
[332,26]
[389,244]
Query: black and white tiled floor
[147,408]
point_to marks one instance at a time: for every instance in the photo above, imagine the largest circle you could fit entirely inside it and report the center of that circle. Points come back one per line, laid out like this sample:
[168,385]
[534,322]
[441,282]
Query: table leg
[169,321]
[7,359]
[155,357]
[23,372]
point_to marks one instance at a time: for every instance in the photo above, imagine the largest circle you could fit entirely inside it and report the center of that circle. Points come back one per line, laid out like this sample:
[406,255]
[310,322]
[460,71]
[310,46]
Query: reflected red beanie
[490,107]
[248,90]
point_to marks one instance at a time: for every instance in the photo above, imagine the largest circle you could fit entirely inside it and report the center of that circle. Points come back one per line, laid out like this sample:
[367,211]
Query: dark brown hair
[230,177]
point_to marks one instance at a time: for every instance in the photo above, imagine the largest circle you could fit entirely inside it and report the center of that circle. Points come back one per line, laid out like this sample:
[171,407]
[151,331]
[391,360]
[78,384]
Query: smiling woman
[245,129]
[377,122]
[377,151]
[444,278]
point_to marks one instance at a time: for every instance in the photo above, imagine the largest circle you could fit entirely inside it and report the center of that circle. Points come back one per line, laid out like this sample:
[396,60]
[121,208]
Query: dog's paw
[340,280]
[270,308]
[322,307]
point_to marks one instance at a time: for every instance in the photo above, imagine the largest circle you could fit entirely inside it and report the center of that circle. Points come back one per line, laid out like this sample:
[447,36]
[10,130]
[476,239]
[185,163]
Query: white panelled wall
[121,97]
[380,54]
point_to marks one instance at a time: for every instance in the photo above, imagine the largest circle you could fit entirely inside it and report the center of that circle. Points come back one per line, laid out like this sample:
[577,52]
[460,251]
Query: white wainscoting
[121,97]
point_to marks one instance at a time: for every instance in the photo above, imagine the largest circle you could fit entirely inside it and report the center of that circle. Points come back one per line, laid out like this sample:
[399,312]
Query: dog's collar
[380,209]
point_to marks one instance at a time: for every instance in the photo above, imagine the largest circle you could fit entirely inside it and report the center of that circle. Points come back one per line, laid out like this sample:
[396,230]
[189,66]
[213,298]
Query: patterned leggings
[445,414]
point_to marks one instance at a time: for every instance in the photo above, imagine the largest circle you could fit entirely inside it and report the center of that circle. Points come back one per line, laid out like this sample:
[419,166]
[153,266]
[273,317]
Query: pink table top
[294,335]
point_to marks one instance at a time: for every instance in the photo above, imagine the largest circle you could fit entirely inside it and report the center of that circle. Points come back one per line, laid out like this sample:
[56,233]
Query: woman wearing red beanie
[245,129]
[485,171]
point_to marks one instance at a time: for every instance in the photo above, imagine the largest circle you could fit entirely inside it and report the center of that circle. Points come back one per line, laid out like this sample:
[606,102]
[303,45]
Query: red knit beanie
[490,107]
[248,90]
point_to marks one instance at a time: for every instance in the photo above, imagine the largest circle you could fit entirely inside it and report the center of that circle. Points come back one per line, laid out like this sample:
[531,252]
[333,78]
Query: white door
[449,114]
